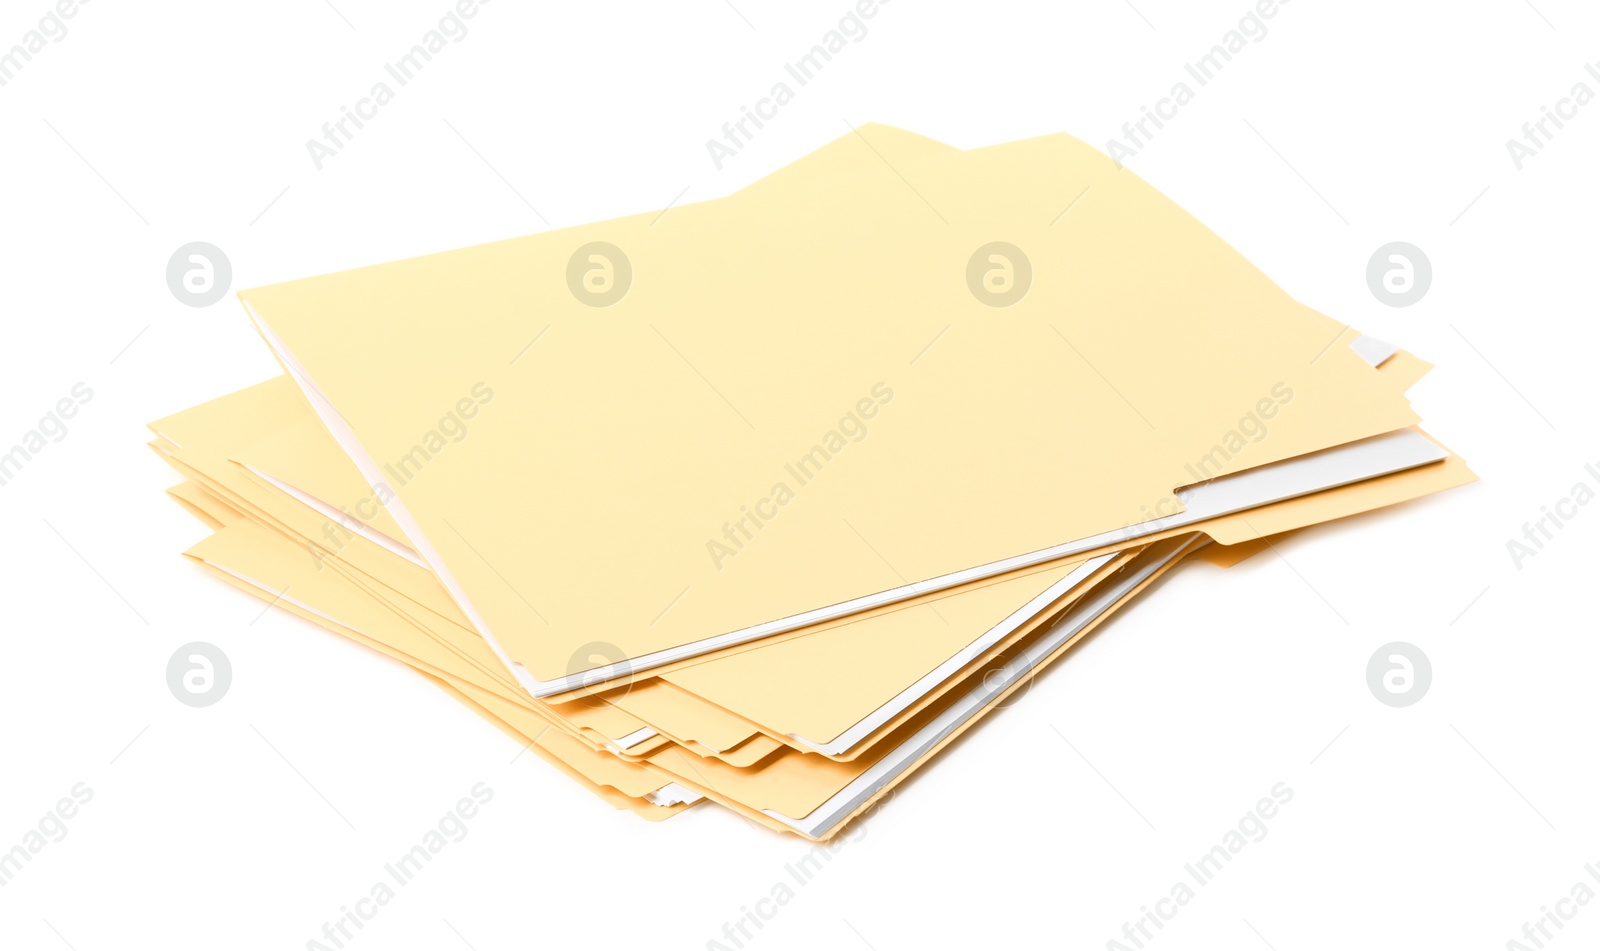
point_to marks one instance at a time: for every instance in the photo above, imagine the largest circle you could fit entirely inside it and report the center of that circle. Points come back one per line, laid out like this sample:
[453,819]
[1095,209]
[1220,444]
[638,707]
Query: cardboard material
[765,500]
[1139,329]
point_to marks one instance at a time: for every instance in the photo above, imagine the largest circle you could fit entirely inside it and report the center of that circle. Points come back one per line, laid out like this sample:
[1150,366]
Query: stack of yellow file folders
[766,499]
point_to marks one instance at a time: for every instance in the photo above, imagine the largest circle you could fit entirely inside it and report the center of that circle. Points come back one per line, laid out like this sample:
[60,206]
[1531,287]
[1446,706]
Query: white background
[1445,824]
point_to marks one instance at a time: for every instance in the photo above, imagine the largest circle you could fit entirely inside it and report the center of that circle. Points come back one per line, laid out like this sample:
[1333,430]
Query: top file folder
[625,445]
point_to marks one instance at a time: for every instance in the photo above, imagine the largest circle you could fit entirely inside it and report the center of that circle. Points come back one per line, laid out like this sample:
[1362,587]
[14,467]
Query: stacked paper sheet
[764,500]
